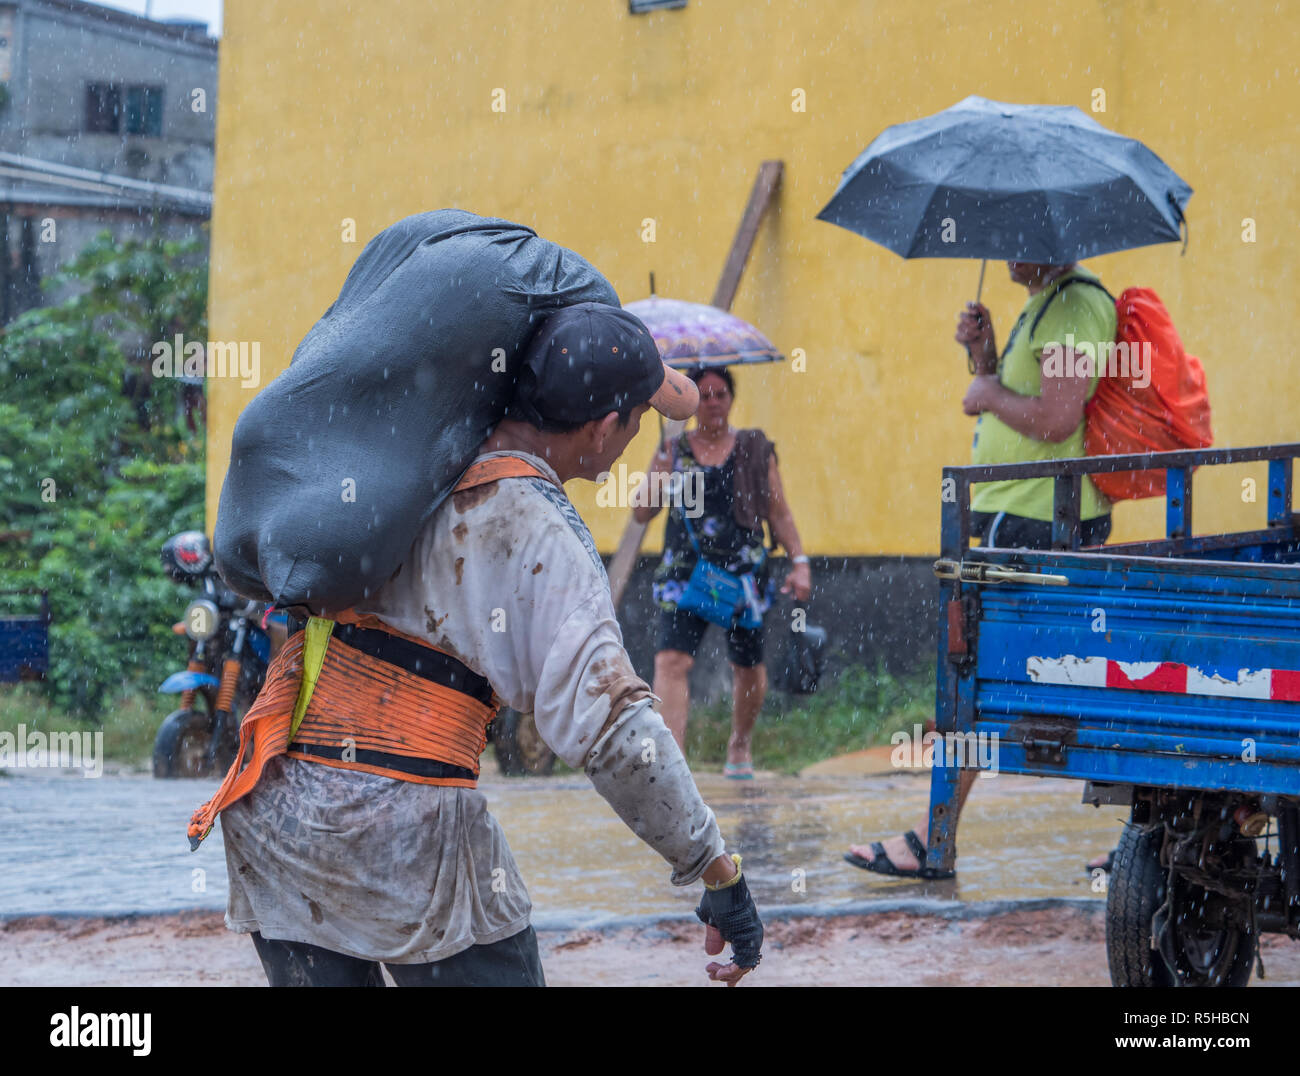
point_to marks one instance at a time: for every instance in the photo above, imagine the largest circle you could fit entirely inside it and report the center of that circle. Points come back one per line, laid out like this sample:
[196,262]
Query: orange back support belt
[426,725]
[396,708]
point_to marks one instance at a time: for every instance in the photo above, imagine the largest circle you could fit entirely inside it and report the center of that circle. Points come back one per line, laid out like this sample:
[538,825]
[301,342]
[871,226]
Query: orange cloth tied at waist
[366,713]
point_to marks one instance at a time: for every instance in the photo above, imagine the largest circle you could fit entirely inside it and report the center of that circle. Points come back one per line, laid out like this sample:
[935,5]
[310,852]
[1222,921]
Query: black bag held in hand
[805,659]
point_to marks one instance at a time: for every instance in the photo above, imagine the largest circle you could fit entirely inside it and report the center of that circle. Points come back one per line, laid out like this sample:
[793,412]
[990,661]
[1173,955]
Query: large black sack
[337,464]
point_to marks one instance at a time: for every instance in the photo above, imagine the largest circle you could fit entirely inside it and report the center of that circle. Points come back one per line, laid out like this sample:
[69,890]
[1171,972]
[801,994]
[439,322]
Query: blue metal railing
[1068,478]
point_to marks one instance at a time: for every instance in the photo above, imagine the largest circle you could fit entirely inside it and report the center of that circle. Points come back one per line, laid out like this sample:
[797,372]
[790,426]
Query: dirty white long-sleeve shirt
[507,578]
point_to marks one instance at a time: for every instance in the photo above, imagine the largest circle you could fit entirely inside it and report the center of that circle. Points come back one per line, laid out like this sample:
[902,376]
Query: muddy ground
[1057,946]
[1022,910]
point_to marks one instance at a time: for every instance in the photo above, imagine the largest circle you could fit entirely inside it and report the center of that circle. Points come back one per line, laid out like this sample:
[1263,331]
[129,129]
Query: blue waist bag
[719,596]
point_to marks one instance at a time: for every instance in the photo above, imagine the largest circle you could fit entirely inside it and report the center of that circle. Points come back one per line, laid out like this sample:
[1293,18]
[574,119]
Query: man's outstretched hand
[730,916]
[730,974]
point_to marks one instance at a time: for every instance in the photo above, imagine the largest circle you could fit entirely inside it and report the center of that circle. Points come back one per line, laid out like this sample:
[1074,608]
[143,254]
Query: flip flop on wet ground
[738,771]
[882,864]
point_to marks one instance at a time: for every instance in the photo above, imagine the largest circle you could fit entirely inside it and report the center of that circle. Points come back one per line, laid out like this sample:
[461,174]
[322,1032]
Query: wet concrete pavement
[1021,839]
[103,846]
[116,844]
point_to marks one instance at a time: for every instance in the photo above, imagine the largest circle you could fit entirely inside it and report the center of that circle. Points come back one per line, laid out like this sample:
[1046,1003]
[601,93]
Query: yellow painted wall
[333,110]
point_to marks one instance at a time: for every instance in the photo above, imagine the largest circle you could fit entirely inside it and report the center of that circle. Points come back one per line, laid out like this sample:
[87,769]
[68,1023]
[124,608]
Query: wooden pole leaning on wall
[761,196]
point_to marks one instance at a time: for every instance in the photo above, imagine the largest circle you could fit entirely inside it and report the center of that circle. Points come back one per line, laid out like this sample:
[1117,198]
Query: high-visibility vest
[356,694]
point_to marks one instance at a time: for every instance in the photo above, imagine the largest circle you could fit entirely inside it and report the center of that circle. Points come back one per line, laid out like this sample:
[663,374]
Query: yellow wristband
[730,881]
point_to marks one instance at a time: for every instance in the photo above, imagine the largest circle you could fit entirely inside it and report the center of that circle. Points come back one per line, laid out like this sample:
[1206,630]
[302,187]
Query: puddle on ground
[116,844]
[1020,838]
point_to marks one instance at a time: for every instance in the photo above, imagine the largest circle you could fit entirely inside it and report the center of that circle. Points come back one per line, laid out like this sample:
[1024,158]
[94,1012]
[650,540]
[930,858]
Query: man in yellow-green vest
[1030,404]
[1029,411]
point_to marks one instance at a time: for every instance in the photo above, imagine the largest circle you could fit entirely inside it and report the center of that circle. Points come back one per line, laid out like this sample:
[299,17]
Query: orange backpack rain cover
[1172,411]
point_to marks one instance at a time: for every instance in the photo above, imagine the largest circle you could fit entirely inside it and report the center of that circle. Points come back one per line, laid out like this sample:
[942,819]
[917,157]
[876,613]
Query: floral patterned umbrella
[693,334]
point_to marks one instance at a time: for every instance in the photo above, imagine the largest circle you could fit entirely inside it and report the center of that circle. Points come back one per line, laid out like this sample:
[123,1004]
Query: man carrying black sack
[358,836]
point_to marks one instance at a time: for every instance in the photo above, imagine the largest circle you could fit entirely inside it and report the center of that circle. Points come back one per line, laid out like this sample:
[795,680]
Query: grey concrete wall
[876,610]
[59,48]
[74,227]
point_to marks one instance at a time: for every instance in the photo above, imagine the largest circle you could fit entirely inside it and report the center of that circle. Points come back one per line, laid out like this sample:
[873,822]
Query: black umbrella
[1032,183]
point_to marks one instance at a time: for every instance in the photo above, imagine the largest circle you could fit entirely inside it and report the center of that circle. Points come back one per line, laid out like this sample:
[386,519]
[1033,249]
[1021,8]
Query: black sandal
[882,864]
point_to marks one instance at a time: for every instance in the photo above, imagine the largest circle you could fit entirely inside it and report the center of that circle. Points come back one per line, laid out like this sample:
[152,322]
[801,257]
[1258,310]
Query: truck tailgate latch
[979,572]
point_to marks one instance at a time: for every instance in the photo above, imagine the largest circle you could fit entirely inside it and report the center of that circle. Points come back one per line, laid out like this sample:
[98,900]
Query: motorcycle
[229,653]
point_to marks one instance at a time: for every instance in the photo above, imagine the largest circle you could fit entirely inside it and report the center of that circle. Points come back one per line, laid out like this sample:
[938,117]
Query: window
[114,109]
[144,110]
[640,7]
[103,108]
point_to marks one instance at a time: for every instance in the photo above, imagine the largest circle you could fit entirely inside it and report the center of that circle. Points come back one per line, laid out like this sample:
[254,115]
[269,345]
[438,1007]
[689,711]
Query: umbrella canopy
[1032,183]
[693,334]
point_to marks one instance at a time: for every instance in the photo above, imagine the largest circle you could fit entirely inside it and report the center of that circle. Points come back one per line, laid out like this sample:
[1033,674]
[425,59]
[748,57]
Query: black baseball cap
[589,359]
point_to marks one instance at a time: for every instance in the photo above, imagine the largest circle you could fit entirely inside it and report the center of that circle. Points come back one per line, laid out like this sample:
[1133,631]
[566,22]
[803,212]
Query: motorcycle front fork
[230,670]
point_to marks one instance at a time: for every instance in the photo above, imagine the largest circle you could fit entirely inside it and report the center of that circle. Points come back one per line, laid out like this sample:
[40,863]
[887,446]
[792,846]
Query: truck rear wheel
[1208,948]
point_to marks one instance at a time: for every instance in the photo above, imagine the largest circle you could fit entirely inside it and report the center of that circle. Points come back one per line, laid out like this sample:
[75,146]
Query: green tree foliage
[99,463]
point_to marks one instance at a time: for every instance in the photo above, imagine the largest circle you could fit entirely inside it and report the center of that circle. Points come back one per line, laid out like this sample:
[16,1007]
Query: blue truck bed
[1172,663]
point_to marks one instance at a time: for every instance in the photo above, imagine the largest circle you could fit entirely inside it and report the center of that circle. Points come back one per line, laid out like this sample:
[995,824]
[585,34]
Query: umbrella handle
[979,290]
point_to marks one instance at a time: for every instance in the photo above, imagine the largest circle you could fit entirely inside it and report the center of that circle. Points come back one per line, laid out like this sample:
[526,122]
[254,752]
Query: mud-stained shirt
[507,578]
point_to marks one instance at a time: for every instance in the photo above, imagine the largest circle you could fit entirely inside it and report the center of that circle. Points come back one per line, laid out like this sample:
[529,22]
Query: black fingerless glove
[731,911]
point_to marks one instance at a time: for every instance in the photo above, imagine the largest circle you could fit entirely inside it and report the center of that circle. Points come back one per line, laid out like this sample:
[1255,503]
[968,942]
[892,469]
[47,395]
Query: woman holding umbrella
[741,488]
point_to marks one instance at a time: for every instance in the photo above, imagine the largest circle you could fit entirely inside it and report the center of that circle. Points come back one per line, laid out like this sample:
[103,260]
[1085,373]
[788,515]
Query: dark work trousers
[513,961]
[1018,532]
